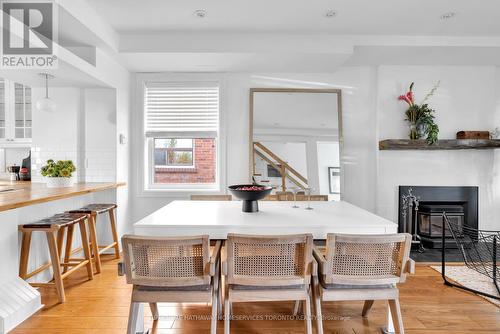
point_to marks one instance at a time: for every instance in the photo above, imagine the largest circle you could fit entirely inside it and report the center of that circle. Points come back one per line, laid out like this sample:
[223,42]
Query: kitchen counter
[19,194]
[24,202]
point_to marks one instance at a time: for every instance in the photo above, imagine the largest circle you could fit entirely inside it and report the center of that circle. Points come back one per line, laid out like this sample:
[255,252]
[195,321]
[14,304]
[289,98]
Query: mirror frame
[296,90]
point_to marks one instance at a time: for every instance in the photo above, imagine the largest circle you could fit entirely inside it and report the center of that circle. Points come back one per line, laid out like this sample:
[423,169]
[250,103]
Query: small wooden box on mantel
[473,135]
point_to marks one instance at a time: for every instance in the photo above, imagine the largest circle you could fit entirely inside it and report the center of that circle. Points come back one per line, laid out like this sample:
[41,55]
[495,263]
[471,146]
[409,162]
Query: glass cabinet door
[2,109]
[22,111]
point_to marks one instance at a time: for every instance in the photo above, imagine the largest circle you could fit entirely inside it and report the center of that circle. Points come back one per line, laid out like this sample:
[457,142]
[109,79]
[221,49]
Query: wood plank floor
[101,306]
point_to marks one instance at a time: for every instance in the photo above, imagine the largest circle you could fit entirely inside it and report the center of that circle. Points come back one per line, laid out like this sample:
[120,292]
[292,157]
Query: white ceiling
[394,17]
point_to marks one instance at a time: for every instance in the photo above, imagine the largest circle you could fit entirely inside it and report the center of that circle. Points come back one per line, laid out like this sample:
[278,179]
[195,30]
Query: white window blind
[182,110]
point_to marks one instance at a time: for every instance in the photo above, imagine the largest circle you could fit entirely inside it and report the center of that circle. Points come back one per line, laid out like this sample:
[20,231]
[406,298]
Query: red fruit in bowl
[251,188]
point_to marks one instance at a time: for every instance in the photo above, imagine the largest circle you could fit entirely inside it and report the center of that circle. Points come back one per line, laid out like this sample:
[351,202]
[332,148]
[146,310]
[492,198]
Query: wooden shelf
[444,144]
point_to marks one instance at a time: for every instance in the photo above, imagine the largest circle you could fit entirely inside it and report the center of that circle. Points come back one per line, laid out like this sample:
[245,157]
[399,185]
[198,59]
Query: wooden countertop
[29,193]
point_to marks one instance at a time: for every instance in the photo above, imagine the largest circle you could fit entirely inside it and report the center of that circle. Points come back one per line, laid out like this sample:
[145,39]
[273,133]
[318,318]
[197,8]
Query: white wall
[82,128]
[465,100]
[100,135]
[55,134]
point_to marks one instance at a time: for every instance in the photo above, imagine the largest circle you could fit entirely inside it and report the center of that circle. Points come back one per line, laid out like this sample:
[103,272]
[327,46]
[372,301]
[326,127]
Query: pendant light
[46,104]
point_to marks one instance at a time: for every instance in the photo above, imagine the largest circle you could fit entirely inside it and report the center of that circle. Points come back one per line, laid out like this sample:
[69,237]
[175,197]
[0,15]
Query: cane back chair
[171,269]
[267,268]
[362,267]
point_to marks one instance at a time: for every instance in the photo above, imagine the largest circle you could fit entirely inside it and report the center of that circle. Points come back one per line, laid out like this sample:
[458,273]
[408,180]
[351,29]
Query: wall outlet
[122,139]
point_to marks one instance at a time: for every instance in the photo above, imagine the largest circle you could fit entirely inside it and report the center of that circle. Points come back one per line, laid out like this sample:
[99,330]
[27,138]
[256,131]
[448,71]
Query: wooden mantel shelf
[443,144]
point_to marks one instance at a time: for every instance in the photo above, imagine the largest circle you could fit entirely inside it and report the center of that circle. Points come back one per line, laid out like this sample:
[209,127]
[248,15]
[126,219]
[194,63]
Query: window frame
[145,146]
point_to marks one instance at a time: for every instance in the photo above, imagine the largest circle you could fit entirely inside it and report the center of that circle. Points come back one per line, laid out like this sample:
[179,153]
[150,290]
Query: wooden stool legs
[69,242]
[55,240]
[98,250]
[116,241]
[25,252]
[56,265]
[94,243]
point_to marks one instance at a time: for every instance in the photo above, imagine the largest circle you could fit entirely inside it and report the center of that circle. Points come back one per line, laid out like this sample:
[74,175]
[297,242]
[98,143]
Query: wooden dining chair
[299,198]
[211,197]
[362,267]
[171,270]
[267,268]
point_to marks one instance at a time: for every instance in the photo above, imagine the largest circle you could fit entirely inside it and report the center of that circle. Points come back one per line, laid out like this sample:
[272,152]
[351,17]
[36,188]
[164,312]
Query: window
[173,152]
[181,133]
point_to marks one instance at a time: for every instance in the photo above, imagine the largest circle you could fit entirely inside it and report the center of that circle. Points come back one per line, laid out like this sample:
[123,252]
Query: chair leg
[296,307]
[154,311]
[215,306]
[317,305]
[397,318]
[227,310]
[116,241]
[69,244]
[95,245]
[367,307]
[85,246]
[56,265]
[25,253]
[133,317]
[219,300]
[307,313]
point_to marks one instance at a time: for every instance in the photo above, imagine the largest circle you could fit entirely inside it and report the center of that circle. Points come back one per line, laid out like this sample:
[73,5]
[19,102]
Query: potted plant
[58,174]
[420,116]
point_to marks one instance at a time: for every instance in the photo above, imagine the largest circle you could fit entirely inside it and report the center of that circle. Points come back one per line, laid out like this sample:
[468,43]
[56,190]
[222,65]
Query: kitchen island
[23,202]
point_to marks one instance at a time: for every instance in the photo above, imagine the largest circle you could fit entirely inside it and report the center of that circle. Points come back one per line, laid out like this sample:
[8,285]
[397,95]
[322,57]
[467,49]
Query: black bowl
[250,197]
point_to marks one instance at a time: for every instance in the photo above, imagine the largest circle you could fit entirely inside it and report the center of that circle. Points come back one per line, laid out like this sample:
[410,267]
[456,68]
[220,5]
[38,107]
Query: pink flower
[404,98]
[409,95]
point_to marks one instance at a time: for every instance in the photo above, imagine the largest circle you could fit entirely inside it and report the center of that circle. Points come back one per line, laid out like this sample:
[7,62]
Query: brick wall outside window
[204,166]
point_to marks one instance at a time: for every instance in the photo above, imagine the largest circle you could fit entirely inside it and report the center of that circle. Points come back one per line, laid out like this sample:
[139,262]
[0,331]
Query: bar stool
[56,224]
[93,210]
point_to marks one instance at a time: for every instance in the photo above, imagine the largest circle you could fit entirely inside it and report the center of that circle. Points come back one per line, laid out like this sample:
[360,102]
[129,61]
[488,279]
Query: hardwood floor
[101,306]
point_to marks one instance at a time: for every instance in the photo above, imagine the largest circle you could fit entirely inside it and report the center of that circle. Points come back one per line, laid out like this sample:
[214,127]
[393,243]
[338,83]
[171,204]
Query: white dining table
[218,218]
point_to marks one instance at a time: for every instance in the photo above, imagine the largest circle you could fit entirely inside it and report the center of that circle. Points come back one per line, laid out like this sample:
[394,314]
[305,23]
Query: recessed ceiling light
[448,15]
[330,13]
[201,13]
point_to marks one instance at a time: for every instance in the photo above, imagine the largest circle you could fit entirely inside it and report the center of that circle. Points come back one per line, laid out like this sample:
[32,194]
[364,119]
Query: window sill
[176,170]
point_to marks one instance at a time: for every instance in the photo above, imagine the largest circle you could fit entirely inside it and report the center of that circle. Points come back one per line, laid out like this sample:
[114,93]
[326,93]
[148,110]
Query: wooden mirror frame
[296,90]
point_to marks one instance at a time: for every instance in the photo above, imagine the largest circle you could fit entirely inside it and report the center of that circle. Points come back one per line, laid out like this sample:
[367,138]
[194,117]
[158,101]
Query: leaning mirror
[295,140]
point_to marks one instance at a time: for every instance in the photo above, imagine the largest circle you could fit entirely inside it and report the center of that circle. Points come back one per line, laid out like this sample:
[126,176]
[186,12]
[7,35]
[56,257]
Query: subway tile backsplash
[91,165]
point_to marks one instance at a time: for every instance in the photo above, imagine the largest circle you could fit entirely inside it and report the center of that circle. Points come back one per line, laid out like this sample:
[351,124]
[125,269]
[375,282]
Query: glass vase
[421,129]
[413,131]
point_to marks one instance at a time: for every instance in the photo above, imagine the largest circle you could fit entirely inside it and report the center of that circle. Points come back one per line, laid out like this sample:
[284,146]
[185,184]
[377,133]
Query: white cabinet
[15,113]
